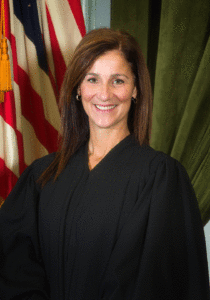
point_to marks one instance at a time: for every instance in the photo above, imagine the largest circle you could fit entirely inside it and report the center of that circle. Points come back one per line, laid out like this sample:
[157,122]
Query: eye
[92,80]
[118,81]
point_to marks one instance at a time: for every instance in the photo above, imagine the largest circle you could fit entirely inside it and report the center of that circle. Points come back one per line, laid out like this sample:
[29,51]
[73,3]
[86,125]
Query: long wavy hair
[74,121]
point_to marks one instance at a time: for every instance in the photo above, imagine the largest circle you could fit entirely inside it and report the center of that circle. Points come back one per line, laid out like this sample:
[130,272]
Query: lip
[104,105]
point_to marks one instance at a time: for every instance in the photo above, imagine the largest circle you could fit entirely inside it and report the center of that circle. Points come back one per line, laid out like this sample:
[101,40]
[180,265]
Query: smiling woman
[104,61]
[106,93]
[106,217]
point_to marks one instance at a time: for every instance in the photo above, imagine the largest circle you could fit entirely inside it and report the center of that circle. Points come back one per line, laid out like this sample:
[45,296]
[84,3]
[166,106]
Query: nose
[104,92]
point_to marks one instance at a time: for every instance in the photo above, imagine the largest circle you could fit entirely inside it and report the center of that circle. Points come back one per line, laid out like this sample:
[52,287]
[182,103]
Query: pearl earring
[78,97]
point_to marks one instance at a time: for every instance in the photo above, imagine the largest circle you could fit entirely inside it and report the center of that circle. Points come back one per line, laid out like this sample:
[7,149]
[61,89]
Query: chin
[104,126]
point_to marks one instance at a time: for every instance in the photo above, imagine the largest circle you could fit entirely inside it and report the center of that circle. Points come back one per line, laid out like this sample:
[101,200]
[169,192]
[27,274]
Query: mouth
[105,107]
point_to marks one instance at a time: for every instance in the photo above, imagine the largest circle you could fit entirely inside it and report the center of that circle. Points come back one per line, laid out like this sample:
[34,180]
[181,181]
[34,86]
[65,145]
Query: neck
[102,141]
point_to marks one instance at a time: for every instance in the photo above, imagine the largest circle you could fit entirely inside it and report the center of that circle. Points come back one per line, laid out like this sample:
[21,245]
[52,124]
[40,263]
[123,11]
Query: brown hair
[74,121]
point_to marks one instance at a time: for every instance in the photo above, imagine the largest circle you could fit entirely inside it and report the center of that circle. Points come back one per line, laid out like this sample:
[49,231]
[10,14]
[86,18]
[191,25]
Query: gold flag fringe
[1,201]
[5,71]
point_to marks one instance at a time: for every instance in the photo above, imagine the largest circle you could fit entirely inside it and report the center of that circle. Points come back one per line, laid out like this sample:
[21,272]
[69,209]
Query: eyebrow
[113,75]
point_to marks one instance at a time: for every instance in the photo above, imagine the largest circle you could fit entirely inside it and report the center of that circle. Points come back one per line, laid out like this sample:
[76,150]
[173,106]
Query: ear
[79,91]
[134,95]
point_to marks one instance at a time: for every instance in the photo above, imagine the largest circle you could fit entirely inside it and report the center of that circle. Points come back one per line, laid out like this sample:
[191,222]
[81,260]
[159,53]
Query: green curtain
[175,39]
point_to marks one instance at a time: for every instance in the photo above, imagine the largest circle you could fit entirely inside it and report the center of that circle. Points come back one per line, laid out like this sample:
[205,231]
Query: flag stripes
[10,147]
[27,13]
[8,180]
[77,12]
[42,36]
[60,65]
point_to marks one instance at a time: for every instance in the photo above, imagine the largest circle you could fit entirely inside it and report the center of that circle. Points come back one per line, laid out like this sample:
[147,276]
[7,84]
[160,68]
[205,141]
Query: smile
[105,107]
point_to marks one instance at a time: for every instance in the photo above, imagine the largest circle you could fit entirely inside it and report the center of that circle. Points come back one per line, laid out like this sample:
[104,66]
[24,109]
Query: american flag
[42,35]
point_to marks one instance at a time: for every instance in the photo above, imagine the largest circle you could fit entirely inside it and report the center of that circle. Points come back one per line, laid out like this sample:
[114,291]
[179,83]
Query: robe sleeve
[22,274]
[160,253]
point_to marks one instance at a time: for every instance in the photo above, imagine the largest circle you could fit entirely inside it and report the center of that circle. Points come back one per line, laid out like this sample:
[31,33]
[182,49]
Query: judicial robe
[128,229]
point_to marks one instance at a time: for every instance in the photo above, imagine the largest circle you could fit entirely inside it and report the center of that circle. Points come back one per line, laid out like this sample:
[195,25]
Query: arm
[22,274]
[160,253]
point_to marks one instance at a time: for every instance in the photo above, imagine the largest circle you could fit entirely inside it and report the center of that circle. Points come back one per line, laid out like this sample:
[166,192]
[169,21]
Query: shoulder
[41,164]
[164,174]
[154,160]
[160,158]
[34,171]
[27,187]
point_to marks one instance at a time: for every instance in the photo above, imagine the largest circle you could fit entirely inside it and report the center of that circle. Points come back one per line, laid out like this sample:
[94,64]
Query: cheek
[125,95]
[86,94]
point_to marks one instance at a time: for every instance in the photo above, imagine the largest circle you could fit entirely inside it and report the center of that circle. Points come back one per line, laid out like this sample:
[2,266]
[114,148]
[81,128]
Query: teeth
[105,107]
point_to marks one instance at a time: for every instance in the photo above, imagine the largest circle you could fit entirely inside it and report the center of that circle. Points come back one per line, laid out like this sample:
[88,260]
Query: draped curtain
[175,39]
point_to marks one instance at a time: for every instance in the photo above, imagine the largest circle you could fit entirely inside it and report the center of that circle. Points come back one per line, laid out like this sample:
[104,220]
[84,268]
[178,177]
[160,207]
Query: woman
[106,217]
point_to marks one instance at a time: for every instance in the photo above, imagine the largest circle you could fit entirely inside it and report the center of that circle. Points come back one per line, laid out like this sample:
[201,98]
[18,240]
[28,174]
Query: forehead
[110,61]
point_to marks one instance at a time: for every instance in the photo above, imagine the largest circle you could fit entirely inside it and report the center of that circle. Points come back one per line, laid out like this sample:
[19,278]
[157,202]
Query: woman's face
[106,91]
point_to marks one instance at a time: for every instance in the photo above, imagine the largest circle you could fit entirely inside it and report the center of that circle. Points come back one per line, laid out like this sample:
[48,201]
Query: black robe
[128,229]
